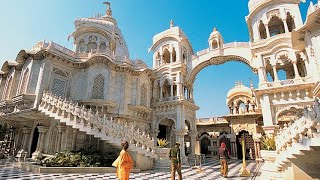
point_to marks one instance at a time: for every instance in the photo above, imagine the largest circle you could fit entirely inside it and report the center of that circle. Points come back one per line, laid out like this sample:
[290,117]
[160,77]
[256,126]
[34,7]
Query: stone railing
[62,49]
[93,121]
[298,135]
[236,44]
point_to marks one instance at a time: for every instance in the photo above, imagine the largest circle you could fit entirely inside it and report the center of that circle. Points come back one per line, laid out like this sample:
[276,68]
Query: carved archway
[216,61]
[205,141]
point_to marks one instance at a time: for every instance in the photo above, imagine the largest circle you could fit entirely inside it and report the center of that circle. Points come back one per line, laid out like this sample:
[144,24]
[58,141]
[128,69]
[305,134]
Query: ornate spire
[171,23]
[108,11]
[214,29]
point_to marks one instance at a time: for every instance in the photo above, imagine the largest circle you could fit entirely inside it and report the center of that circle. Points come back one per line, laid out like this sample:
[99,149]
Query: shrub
[162,142]
[268,143]
[81,158]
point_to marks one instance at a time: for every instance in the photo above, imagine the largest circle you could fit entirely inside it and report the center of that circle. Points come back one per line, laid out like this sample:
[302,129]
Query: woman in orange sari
[123,163]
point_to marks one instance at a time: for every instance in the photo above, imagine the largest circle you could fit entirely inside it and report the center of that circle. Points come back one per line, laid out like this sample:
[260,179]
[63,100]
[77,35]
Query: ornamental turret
[215,40]
[100,34]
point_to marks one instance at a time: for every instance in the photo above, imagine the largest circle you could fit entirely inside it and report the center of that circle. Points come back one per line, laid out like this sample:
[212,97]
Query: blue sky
[23,23]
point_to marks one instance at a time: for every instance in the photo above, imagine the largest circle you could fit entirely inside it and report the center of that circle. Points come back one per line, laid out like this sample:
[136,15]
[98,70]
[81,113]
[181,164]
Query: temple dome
[215,34]
[101,29]
[239,89]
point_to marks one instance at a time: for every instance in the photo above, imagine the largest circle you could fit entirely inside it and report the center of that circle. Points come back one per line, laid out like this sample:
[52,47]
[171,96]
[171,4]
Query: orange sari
[124,164]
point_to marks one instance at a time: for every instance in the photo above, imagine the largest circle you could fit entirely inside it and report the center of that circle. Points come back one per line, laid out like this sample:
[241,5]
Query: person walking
[123,163]
[223,154]
[175,158]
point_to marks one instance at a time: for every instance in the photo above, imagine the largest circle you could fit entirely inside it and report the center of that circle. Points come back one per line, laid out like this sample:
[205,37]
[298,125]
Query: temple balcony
[17,103]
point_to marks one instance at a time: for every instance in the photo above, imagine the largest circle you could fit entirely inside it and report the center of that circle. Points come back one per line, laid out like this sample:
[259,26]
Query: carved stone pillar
[233,148]
[257,146]
[286,29]
[61,130]
[296,72]
[193,137]
[74,138]
[22,153]
[275,74]
[180,138]
[267,30]
[42,132]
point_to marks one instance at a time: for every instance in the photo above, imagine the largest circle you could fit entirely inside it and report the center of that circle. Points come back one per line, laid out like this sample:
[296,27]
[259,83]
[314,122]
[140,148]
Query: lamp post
[243,171]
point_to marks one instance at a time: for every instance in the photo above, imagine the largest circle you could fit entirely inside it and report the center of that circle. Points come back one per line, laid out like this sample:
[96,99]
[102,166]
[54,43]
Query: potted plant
[161,150]
[268,148]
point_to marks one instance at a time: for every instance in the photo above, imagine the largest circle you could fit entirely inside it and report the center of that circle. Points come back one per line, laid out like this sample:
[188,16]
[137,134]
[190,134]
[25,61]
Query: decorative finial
[251,84]
[108,11]
[214,29]
[171,23]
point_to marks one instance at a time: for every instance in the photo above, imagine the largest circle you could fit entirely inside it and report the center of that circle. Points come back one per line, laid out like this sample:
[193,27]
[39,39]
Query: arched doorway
[249,145]
[166,131]
[223,138]
[205,142]
[35,138]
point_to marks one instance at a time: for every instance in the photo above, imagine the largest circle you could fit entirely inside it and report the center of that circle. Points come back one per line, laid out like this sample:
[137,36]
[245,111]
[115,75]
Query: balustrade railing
[307,127]
[85,116]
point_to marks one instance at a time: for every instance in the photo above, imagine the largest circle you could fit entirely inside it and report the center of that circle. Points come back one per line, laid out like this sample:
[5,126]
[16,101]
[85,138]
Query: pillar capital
[43,129]
[62,128]
[26,130]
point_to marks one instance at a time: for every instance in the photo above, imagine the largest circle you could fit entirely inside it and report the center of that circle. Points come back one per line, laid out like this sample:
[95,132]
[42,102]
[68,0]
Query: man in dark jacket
[223,154]
[175,158]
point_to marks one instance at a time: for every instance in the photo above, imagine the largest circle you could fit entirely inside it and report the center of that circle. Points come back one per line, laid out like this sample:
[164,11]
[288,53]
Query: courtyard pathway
[210,171]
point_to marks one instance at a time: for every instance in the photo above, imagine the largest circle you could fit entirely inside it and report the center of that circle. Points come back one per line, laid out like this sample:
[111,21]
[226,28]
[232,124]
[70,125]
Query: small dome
[215,34]
[239,89]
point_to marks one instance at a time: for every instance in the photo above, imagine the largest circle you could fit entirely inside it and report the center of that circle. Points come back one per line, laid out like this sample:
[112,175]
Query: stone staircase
[297,144]
[108,130]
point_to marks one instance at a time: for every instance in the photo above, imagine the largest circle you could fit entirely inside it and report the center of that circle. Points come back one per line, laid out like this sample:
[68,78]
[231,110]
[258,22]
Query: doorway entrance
[249,145]
[34,140]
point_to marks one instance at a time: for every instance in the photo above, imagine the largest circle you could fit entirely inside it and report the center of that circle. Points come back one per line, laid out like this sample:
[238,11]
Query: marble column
[286,29]
[180,138]
[257,146]
[74,139]
[193,137]
[296,72]
[267,30]
[42,132]
[22,153]
[61,130]
[274,69]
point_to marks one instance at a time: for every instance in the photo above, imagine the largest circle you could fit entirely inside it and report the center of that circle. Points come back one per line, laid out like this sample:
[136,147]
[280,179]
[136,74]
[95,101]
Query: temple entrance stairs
[111,132]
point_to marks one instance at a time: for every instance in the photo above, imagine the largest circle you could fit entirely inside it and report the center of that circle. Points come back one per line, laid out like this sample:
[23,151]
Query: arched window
[24,82]
[98,87]
[8,89]
[275,26]
[102,47]
[174,55]
[159,59]
[59,82]
[262,31]
[82,46]
[91,47]
[166,89]
[166,56]
[143,95]
[214,44]
[290,22]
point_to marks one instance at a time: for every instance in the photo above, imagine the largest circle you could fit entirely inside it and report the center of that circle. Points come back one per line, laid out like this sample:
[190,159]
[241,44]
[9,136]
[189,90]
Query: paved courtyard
[209,171]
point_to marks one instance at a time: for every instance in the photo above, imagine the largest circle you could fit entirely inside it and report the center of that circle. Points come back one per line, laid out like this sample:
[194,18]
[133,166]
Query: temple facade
[55,99]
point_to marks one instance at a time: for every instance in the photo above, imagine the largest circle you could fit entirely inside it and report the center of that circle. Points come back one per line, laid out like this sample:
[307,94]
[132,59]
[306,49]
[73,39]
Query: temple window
[159,59]
[8,89]
[102,47]
[98,87]
[275,26]
[91,47]
[214,44]
[166,89]
[290,22]
[262,31]
[82,46]
[166,56]
[59,83]
[24,82]
[174,55]
[143,95]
